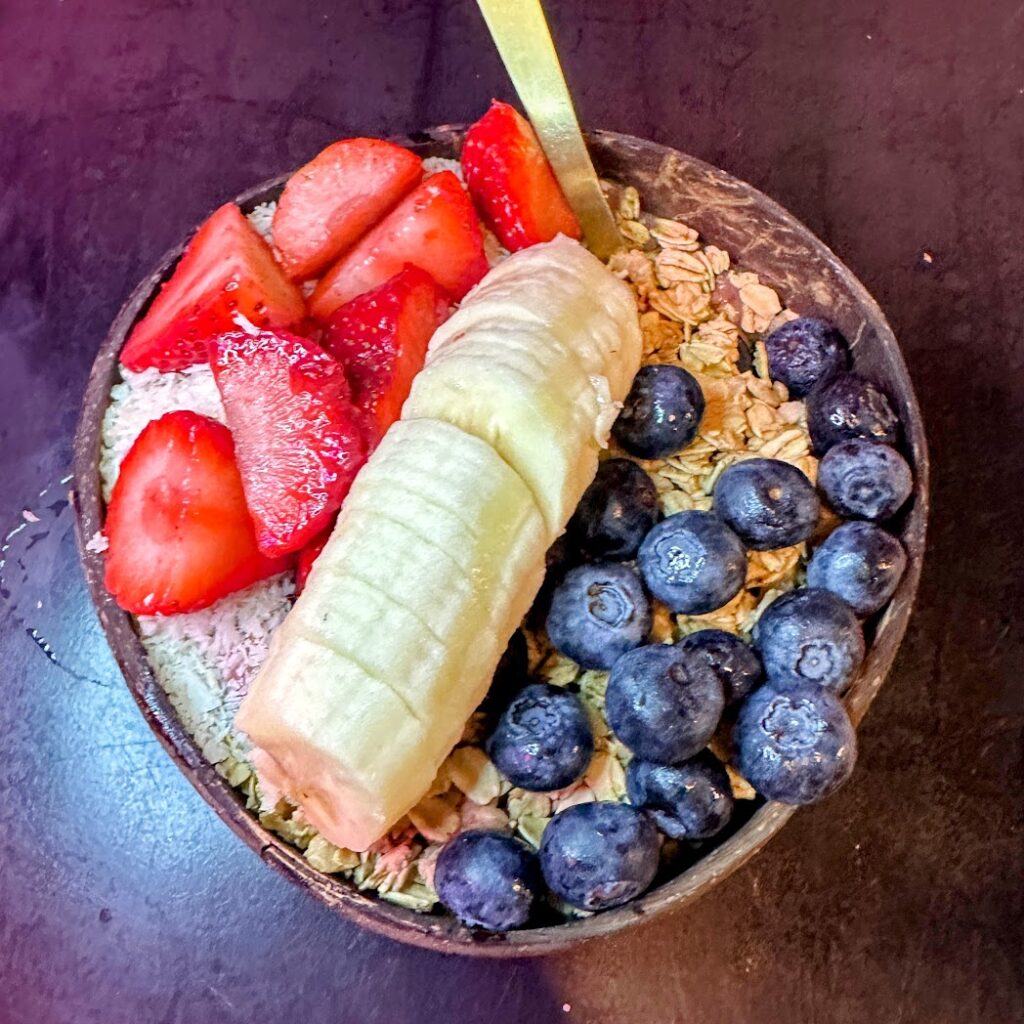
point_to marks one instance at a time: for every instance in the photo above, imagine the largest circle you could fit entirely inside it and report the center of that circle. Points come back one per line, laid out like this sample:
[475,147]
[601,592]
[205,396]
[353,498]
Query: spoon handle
[520,32]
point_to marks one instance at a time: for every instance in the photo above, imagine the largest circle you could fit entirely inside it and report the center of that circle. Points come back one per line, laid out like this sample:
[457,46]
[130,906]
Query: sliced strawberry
[434,228]
[381,339]
[178,528]
[341,193]
[226,269]
[297,435]
[307,556]
[511,181]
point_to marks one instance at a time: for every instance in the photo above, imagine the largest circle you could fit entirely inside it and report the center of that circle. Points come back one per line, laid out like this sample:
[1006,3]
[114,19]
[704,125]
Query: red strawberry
[299,444]
[335,198]
[381,339]
[307,556]
[511,181]
[435,228]
[178,528]
[226,269]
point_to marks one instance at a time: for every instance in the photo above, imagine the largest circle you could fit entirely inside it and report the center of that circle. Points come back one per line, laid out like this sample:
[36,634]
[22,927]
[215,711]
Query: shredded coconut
[97,543]
[436,164]
[206,660]
[262,219]
[146,396]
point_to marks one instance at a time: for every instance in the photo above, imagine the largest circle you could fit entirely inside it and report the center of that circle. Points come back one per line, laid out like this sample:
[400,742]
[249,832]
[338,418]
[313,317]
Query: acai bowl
[715,268]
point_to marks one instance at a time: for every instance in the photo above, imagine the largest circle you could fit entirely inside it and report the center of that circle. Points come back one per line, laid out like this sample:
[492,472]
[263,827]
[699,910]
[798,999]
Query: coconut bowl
[760,236]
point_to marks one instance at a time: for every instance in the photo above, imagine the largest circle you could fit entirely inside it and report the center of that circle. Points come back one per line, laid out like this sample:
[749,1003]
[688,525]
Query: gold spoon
[520,32]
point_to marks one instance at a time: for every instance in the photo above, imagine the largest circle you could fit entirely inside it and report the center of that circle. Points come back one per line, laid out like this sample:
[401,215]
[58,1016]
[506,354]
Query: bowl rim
[444,934]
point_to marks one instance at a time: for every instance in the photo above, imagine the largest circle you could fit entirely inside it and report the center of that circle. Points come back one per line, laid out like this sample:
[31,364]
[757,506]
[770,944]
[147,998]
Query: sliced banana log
[439,549]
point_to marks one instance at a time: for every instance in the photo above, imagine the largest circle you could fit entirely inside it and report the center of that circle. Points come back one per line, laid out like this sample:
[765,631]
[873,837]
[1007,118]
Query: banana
[439,549]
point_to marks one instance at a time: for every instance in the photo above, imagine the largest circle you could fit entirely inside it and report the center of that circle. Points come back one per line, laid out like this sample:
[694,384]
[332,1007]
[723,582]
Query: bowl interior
[760,236]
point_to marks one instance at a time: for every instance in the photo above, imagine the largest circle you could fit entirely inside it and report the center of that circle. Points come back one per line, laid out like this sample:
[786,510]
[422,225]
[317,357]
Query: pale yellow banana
[439,550]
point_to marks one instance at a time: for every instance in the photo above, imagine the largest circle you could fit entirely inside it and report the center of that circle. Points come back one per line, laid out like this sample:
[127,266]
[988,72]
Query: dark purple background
[894,129]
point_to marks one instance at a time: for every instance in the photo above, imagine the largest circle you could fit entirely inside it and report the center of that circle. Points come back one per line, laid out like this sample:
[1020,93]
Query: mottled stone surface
[893,131]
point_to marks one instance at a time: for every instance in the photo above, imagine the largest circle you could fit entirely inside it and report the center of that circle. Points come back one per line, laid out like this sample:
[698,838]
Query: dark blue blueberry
[769,503]
[509,677]
[561,556]
[731,659]
[809,636]
[861,563]
[616,512]
[664,702]
[487,880]
[693,562]
[599,855]
[795,746]
[543,740]
[692,800]
[558,560]
[661,413]
[597,613]
[805,352]
[864,479]
[850,406]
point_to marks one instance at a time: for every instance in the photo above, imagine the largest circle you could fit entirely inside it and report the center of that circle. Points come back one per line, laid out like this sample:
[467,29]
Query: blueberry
[509,677]
[861,563]
[616,512]
[795,747]
[558,560]
[769,503]
[598,612]
[805,352]
[693,562]
[734,662]
[661,413]
[599,855]
[809,636]
[487,880]
[863,479]
[846,407]
[543,740]
[692,800]
[664,702]
[561,556]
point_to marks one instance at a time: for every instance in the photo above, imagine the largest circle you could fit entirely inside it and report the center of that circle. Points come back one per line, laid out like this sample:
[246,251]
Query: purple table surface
[893,129]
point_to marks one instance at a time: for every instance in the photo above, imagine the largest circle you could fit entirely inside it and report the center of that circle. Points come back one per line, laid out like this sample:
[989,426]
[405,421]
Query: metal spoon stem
[520,32]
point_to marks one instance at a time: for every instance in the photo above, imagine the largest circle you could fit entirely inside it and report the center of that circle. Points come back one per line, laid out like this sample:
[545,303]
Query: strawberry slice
[434,228]
[511,181]
[381,339]
[335,198]
[307,556]
[178,528]
[296,431]
[226,269]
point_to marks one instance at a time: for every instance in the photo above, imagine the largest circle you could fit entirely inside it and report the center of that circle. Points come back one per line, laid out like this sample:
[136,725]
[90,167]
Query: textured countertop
[895,130]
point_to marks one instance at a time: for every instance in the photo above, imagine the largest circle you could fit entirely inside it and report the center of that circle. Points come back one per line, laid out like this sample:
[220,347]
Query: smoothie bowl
[600,565]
